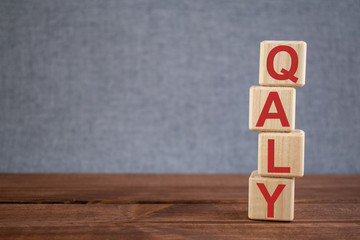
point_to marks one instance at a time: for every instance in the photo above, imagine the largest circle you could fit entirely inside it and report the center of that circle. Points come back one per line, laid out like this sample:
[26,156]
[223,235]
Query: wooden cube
[272,109]
[271,198]
[282,63]
[281,154]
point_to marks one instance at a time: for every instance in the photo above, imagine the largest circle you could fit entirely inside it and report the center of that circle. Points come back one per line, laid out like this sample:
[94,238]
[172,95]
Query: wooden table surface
[123,206]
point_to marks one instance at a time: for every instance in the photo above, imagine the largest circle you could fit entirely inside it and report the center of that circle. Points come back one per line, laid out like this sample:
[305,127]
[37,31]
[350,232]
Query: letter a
[280,114]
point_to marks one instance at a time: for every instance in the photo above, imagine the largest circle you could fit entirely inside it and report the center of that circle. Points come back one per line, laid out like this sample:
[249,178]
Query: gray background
[162,86]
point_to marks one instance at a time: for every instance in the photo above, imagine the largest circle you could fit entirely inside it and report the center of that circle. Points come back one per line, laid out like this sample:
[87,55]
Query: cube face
[281,154]
[272,109]
[282,63]
[271,198]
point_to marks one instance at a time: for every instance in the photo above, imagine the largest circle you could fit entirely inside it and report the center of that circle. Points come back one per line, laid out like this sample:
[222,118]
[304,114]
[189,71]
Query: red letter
[271,159]
[287,74]
[273,97]
[270,199]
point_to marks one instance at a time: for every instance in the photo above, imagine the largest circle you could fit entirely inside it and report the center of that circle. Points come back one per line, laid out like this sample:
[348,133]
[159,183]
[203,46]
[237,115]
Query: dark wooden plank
[328,188]
[328,207]
[36,215]
[119,188]
[253,230]
[128,188]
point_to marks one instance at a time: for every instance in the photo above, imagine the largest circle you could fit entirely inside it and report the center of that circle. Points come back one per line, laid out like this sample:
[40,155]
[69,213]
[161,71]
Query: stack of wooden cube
[280,146]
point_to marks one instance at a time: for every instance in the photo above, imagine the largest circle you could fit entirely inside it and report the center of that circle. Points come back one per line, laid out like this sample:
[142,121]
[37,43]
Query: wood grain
[15,215]
[143,188]
[113,206]
[283,207]
[259,95]
[282,60]
[189,231]
[288,151]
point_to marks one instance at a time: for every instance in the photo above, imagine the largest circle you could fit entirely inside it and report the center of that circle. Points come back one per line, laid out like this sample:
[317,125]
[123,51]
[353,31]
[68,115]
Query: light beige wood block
[281,154]
[271,198]
[272,109]
[282,63]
